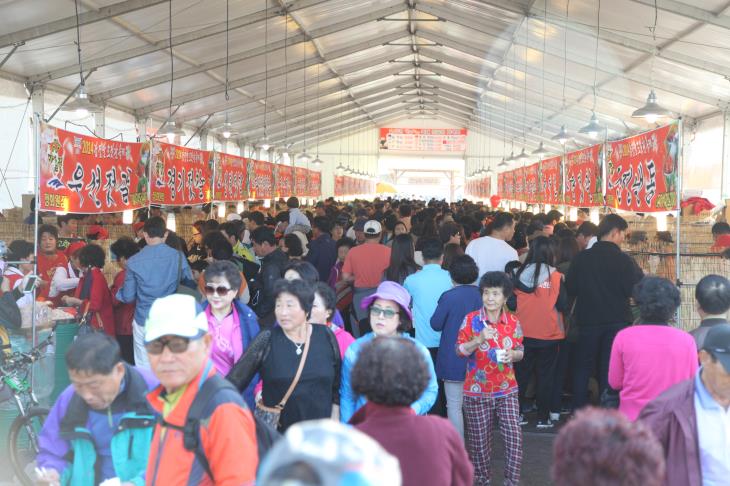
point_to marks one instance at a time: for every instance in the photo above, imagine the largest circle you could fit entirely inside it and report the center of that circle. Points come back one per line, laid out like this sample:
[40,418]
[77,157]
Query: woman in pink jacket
[323,308]
[651,356]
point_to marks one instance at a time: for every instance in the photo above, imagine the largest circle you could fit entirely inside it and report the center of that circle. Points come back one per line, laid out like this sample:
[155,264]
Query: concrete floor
[536,458]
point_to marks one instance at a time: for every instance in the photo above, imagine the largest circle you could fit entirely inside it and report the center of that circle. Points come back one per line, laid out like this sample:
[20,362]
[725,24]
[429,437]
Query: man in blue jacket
[152,273]
[101,426]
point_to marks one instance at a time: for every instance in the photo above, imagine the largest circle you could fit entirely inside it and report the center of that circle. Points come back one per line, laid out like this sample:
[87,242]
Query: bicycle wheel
[23,443]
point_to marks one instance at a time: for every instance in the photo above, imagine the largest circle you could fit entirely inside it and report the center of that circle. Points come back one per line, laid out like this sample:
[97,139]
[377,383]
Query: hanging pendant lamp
[562,136]
[593,128]
[503,163]
[652,111]
[540,150]
[523,155]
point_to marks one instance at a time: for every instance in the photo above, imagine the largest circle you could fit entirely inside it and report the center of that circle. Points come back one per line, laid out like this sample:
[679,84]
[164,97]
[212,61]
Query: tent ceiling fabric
[374,61]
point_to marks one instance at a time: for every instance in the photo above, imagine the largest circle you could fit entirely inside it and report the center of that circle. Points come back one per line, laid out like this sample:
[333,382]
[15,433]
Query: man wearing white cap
[364,267]
[206,434]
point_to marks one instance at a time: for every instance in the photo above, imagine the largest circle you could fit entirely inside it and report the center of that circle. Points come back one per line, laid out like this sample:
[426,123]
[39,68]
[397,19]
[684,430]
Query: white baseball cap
[175,315]
[372,227]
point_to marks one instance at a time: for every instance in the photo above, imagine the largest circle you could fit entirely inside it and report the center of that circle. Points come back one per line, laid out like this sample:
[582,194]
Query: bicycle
[23,446]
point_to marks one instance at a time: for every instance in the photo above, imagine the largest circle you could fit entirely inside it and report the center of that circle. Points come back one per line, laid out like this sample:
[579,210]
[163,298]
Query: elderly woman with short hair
[276,355]
[651,356]
[392,373]
[390,316]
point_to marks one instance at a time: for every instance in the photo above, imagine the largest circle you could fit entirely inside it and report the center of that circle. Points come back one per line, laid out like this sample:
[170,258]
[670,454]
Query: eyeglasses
[176,345]
[378,311]
[221,291]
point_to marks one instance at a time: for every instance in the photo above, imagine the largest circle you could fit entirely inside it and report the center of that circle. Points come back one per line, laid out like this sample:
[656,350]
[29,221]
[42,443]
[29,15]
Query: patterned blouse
[485,377]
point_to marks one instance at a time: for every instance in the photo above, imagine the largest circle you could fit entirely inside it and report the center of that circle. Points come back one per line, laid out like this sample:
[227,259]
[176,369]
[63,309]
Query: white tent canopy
[303,71]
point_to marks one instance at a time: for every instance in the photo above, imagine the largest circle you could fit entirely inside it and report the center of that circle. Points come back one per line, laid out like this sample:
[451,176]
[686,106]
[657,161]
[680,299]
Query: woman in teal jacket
[390,315]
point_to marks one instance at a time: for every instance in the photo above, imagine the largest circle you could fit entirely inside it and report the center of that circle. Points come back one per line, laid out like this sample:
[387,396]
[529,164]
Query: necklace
[299,348]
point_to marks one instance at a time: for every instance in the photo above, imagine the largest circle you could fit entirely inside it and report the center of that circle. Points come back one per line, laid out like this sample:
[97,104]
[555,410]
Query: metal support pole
[678,219]
[725,180]
[100,123]
[203,139]
[203,134]
[37,117]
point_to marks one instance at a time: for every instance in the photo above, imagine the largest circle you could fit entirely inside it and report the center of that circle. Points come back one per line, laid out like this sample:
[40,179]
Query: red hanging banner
[230,177]
[262,180]
[583,177]
[315,184]
[180,175]
[339,186]
[285,181]
[82,174]
[531,175]
[550,181]
[301,181]
[519,183]
[642,171]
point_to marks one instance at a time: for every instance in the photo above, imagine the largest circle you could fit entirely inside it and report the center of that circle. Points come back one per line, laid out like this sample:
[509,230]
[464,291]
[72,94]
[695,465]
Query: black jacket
[602,280]
[323,255]
[262,292]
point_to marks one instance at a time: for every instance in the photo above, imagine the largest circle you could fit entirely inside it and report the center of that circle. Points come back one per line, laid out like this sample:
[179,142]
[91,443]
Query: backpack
[266,436]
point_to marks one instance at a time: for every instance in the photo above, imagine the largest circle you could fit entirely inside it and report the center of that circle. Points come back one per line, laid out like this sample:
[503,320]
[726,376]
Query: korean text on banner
[301,181]
[82,174]
[584,177]
[285,181]
[315,184]
[532,175]
[180,175]
[262,180]
[551,180]
[519,175]
[230,177]
[339,186]
[642,171]
[423,139]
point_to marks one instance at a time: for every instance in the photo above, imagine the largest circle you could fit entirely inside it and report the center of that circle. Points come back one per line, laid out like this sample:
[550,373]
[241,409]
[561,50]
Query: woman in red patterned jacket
[491,339]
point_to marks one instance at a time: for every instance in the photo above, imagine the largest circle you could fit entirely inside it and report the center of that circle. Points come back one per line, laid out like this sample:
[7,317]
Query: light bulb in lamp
[170,225]
[267,203]
[127,216]
[239,207]
[548,208]
[595,216]
[221,210]
[661,221]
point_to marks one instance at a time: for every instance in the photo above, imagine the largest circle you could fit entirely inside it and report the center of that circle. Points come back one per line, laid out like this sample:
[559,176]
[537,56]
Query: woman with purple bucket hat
[390,315]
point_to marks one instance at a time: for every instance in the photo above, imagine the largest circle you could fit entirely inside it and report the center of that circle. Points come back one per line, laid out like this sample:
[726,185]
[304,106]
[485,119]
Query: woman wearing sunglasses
[277,354]
[390,315]
[231,323]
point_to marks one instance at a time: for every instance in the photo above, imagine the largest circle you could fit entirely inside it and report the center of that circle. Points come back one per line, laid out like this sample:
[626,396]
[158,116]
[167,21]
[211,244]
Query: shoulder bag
[272,415]
[181,287]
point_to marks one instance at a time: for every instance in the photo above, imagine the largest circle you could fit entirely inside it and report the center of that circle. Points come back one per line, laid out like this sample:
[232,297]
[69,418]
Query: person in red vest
[92,294]
[49,259]
[721,236]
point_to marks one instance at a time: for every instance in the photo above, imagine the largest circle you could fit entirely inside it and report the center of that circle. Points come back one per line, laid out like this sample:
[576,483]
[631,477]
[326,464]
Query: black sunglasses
[221,291]
[176,345]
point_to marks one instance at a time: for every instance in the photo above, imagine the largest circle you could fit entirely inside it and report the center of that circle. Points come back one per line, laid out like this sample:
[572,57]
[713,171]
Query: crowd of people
[424,326]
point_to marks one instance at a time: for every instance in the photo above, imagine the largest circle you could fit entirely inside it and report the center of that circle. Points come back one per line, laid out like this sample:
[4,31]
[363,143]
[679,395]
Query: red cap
[99,231]
[74,247]
[137,226]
